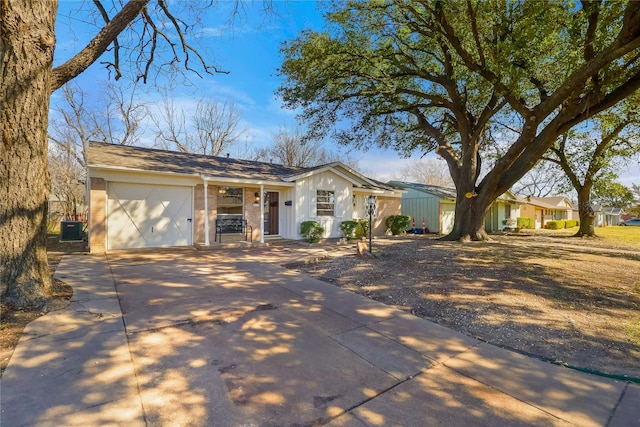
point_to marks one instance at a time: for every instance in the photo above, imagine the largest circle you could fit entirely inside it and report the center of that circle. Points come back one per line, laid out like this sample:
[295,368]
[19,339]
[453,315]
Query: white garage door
[147,216]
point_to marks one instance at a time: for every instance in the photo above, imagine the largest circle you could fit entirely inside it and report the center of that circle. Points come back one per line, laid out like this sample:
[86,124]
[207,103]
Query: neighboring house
[545,209]
[607,216]
[142,197]
[436,206]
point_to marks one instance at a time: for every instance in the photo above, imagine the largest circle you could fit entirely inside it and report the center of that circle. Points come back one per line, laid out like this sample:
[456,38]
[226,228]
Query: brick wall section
[98,215]
[252,213]
[198,212]
[387,206]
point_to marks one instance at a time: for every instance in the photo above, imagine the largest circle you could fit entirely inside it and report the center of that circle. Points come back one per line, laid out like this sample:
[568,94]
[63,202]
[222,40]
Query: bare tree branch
[96,47]
[116,46]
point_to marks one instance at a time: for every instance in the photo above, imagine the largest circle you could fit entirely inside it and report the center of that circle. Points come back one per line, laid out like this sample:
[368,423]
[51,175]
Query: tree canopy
[455,77]
[588,156]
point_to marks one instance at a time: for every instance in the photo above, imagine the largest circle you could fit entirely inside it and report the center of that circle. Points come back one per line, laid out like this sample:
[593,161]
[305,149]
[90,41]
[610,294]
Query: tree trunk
[587,216]
[26,54]
[469,219]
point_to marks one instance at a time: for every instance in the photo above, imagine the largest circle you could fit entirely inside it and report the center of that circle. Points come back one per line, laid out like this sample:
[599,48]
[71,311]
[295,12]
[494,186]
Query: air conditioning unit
[70,231]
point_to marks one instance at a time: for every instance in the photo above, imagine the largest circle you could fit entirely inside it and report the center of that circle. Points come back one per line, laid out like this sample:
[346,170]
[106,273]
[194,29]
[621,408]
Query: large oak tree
[446,76]
[150,31]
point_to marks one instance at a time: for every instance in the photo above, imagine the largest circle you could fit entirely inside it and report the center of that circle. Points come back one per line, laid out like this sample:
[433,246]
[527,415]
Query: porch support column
[261,213]
[206,213]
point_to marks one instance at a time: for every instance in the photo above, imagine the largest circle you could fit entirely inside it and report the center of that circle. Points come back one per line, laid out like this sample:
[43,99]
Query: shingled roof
[150,159]
[113,156]
[436,190]
[553,203]
[446,192]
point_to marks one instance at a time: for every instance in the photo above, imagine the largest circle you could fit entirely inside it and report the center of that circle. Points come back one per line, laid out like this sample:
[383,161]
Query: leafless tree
[427,171]
[114,117]
[67,184]
[289,148]
[214,127]
[218,126]
[121,120]
[543,180]
[171,127]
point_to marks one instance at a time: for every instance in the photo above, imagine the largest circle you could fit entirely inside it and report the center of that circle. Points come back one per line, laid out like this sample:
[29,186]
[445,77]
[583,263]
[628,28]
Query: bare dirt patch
[13,320]
[570,301]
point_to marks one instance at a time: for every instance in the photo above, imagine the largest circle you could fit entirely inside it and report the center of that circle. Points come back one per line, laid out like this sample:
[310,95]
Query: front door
[271,213]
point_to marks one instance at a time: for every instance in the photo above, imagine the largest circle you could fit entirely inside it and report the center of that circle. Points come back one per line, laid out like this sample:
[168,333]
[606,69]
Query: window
[230,200]
[325,203]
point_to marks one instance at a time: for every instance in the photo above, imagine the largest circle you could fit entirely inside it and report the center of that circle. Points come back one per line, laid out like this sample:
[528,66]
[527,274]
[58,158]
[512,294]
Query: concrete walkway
[194,338]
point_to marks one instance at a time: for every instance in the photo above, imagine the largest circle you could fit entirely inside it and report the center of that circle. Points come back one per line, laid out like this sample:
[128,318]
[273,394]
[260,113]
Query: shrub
[311,231]
[556,224]
[570,223]
[524,222]
[349,229]
[398,224]
[363,228]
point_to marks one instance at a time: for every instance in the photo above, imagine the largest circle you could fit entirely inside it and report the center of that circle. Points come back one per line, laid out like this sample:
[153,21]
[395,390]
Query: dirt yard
[569,301]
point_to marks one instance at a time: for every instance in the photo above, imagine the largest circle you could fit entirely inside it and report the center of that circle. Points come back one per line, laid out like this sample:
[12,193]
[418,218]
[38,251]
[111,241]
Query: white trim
[261,213]
[356,174]
[321,170]
[385,193]
[207,240]
[134,170]
[225,181]
[109,171]
[332,167]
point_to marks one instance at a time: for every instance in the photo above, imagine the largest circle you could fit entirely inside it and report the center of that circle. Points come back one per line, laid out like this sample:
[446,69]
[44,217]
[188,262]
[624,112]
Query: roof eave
[204,177]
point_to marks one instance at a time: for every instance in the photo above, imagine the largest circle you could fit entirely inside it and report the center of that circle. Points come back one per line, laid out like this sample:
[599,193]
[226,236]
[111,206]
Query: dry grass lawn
[567,300]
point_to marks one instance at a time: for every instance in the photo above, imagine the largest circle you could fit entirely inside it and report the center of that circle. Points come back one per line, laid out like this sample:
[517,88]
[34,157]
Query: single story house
[143,197]
[605,216]
[436,206]
[544,209]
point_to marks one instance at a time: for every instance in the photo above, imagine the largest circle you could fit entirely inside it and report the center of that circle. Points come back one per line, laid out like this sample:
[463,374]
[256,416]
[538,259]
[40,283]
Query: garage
[148,216]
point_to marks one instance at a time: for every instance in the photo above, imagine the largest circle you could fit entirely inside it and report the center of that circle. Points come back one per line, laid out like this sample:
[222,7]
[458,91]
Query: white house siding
[494,219]
[448,215]
[306,189]
[358,206]
[287,214]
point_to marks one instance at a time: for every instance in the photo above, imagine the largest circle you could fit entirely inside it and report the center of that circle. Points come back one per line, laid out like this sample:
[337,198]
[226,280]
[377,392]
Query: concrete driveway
[231,338]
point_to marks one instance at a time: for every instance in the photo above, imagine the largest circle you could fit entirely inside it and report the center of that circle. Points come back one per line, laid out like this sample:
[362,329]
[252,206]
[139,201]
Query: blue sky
[249,50]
